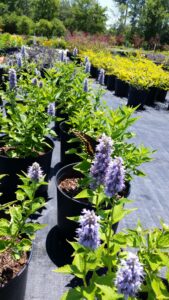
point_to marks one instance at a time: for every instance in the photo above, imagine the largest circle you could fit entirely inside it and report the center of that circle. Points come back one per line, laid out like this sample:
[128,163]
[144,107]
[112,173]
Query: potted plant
[17,233]
[24,135]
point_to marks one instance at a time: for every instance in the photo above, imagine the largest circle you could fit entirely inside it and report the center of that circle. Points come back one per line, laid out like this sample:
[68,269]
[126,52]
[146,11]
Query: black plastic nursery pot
[61,115]
[121,88]
[2,80]
[73,58]
[137,97]
[15,289]
[14,166]
[160,95]
[94,72]
[65,136]
[68,206]
[151,96]
[111,82]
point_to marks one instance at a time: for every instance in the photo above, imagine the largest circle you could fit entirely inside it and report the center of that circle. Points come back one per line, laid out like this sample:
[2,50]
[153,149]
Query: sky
[112,16]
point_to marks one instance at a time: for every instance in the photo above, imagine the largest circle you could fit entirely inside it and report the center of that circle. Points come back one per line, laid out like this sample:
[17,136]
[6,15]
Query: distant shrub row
[24,25]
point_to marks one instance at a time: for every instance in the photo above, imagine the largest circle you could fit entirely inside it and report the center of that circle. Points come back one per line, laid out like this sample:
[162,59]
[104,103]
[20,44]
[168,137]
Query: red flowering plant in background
[84,40]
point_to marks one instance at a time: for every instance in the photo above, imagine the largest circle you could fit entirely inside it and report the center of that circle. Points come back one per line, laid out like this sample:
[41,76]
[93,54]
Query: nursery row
[136,78]
[92,191]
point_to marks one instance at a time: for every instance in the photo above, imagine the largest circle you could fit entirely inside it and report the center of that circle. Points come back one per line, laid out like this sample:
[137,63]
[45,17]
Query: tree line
[144,20]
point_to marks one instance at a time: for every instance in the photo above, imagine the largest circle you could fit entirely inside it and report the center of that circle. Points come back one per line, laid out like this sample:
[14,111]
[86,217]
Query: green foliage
[10,23]
[58,29]
[116,124]
[26,123]
[16,233]
[24,25]
[46,9]
[43,27]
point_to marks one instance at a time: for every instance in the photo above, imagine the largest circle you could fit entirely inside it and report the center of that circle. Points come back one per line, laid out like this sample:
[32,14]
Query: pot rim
[66,195]
[71,198]
[21,271]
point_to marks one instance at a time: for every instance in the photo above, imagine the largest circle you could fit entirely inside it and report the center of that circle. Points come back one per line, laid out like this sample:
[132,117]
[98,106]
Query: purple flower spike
[35,81]
[35,172]
[85,85]
[40,84]
[19,61]
[86,60]
[88,233]
[75,52]
[114,180]
[23,52]
[12,79]
[87,67]
[62,56]
[51,109]
[101,76]
[129,276]
[101,161]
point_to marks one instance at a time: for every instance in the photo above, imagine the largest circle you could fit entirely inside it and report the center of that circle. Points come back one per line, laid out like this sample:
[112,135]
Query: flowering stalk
[101,161]
[129,276]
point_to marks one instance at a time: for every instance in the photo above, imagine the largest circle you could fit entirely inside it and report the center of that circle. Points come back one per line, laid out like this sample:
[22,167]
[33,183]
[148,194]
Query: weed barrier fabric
[150,195]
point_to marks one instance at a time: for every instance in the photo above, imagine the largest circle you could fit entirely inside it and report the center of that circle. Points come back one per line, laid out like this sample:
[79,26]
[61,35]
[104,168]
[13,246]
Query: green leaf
[24,245]
[65,269]
[4,227]
[120,213]
[163,241]
[4,245]
[31,228]
[108,293]
[83,194]
[159,288]
[72,294]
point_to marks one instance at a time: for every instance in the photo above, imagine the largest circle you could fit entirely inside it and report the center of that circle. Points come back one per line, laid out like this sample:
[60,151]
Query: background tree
[46,9]
[88,16]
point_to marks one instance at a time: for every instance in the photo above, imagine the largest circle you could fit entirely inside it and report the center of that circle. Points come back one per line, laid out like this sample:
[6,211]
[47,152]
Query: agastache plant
[85,85]
[35,172]
[12,79]
[51,109]
[19,61]
[129,276]
[88,232]
[20,211]
[23,52]
[87,67]
[115,177]
[101,76]
[75,52]
[62,56]
[34,81]
[101,161]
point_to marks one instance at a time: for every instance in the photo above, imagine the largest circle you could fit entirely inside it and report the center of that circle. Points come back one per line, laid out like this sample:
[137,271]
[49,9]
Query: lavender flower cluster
[35,172]
[101,76]
[12,79]
[88,233]
[87,65]
[129,276]
[105,170]
[85,85]
[101,161]
[51,109]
